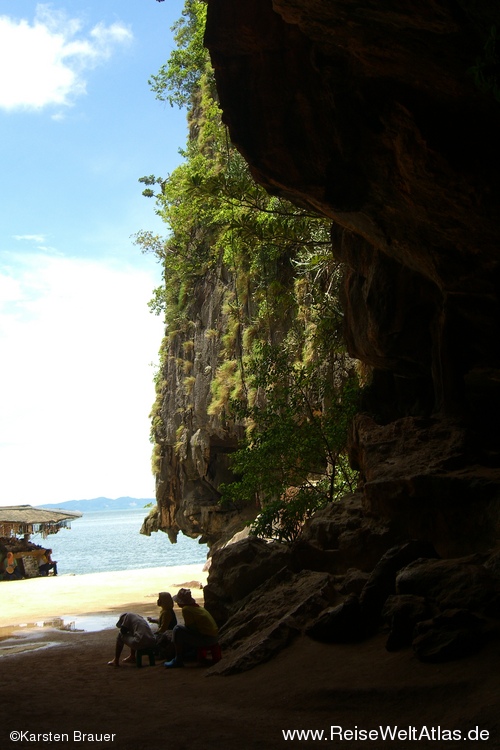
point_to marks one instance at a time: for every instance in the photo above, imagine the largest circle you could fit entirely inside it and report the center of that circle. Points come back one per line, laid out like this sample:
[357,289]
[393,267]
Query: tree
[176,81]
[294,458]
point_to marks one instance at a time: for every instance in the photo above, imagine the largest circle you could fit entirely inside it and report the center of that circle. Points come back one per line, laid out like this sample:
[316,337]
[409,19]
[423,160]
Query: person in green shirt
[199,630]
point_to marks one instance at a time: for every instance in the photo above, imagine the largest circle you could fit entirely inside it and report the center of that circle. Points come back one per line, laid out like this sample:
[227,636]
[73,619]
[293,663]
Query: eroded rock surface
[237,570]
[262,600]
[195,445]
[374,117]
[371,114]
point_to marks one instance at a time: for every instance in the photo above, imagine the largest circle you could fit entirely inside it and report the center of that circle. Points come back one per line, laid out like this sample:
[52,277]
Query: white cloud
[77,341]
[44,62]
[30,237]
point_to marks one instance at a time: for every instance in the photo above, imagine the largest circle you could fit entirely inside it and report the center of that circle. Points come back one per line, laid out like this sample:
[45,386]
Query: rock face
[195,445]
[239,569]
[381,118]
[385,118]
[263,600]
[444,609]
[424,478]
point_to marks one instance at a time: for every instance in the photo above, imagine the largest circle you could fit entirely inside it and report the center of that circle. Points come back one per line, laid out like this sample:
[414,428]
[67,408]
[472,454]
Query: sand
[56,687]
[36,599]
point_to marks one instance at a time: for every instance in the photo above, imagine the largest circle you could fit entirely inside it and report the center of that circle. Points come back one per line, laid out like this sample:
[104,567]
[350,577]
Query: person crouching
[199,630]
[135,633]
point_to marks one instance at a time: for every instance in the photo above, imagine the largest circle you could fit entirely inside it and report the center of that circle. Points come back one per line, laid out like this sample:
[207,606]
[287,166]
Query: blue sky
[79,125]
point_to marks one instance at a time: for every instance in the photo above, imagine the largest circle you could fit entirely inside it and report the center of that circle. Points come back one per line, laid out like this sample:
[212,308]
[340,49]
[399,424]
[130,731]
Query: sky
[79,126]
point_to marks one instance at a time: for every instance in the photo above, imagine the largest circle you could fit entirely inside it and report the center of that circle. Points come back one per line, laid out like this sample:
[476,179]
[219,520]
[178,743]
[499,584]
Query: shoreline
[33,599]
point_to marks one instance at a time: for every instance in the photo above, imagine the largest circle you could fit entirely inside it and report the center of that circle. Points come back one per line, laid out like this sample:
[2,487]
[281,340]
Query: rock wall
[381,119]
[374,118]
[194,445]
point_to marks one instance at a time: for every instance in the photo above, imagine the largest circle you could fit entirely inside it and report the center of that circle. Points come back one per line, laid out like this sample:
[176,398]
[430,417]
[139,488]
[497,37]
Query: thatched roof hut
[24,519]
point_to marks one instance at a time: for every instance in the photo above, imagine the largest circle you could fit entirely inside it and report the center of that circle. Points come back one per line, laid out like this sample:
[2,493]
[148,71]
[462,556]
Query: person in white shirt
[135,633]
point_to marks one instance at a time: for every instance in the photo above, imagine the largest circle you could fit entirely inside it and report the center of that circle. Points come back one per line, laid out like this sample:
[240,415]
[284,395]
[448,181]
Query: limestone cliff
[386,119]
[194,446]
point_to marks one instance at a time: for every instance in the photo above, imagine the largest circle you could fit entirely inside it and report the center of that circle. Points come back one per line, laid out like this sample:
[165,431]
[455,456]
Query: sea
[107,540]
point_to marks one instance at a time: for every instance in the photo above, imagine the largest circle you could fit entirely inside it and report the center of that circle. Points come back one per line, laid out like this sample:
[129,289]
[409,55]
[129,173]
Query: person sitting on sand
[167,619]
[46,563]
[135,633]
[12,572]
[166,623]
[199,629]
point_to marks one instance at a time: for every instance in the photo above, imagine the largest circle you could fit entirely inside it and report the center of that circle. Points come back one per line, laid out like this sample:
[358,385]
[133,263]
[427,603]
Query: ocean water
[107,540]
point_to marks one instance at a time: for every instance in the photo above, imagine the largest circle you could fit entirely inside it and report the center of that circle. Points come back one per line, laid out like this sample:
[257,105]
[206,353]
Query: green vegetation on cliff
[283,373]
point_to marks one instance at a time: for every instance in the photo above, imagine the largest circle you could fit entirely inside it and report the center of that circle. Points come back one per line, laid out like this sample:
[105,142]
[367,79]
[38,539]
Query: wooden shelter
[17,523]
[24,519]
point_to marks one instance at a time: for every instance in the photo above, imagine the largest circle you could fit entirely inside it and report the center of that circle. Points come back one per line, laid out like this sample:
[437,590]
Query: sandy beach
[36,599]
[56,689]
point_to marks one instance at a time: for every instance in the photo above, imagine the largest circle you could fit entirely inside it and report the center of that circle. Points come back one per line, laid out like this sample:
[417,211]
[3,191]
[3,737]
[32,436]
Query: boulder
[382,581]
[271,616]
[353,582]
[457,583]
[341,624]
[451,635]
[492,564]
[239,569]
[261,647]
[341,536]
[402,613]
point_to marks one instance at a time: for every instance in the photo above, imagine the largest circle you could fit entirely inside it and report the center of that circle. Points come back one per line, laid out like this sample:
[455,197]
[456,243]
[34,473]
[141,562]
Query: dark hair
[165,595]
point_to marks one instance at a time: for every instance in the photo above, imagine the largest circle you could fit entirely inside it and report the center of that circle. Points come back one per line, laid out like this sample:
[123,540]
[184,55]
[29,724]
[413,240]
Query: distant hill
[101,503]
